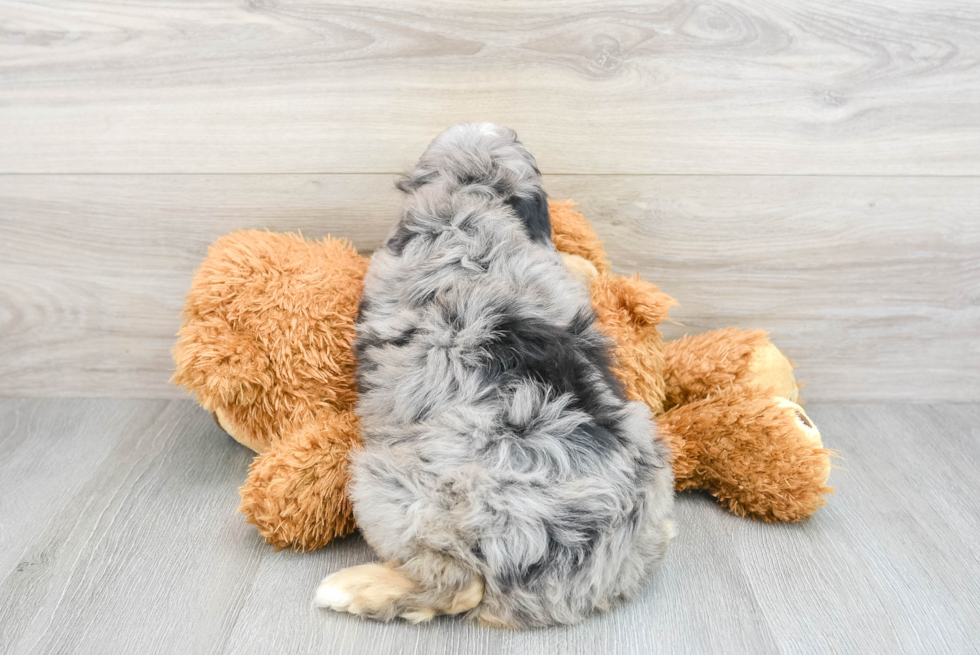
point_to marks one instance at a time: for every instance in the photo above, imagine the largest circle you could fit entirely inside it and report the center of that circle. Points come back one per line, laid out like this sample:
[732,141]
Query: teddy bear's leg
[760,455]
[296,492]
[223,419]
[703,364]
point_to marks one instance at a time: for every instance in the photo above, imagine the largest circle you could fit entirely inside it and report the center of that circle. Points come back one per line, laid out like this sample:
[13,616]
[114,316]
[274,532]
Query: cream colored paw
[368,589]
[419,616]
[331,596]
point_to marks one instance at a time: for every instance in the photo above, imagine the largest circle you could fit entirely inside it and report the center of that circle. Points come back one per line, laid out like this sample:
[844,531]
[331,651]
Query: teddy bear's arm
[217,363]
[697,366]
[296,492]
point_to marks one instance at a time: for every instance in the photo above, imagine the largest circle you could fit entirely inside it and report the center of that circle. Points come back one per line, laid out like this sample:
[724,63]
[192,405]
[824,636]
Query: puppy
[503,474]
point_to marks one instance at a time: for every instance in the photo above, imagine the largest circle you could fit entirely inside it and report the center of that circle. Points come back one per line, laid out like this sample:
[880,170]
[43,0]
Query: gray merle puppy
[503,474]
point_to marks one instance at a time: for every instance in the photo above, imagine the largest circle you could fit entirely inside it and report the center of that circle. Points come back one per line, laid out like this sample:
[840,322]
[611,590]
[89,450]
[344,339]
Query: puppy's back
[498,445]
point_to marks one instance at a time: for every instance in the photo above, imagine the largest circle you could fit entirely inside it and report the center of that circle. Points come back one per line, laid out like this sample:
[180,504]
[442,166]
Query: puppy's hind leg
[417,591]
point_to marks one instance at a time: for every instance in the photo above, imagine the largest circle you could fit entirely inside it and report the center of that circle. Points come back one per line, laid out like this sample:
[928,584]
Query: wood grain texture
[94,274]
[871,284]
[671,86]
[127,541]
[139,548]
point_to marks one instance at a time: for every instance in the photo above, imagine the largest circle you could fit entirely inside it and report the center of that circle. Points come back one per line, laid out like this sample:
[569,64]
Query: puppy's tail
[416,591]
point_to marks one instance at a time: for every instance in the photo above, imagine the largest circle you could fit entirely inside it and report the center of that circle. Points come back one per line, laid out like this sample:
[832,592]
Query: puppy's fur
[503,472]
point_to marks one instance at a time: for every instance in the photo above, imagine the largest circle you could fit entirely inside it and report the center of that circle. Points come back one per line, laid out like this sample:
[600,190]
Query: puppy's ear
[417,178]
[533,212]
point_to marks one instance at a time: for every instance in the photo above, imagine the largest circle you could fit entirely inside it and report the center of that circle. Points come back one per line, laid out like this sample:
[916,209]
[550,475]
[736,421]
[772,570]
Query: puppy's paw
[369,590]
[331,595]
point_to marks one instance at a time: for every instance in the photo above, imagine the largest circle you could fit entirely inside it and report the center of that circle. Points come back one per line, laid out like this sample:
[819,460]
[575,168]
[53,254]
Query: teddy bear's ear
[572,234]
[641,303]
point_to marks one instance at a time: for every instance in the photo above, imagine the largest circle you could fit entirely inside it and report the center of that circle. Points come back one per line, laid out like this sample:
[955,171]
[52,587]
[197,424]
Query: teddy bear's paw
[224,420]
[808,437]
[803,422]
[296,492]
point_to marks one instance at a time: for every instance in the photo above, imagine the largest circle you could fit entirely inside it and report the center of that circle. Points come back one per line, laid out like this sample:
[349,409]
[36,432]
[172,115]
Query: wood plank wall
[811,168]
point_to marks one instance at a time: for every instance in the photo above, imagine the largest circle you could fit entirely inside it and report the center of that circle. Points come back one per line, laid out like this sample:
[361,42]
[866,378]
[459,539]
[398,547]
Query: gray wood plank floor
[118,534]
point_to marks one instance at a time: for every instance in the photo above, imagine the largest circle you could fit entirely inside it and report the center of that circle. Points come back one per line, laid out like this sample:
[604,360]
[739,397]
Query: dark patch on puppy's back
[403,235]
[525,348]
[534,216]
[572,537]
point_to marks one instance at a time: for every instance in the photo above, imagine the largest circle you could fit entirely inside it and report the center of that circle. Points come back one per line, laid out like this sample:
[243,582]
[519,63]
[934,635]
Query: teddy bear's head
[267,332]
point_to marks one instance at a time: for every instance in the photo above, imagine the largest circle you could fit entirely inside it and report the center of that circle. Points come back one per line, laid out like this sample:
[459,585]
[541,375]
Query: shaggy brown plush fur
[700,365]
[266,346]
[267,332]
[572,234]
[733,426]
[760,458]
[296,492]
[629,309]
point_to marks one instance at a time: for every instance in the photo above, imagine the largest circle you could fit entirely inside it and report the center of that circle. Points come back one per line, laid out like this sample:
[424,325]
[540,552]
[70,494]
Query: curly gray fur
[497,441]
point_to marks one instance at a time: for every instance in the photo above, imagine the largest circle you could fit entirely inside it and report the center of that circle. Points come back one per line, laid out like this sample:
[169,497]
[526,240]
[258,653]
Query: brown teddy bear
[266,347]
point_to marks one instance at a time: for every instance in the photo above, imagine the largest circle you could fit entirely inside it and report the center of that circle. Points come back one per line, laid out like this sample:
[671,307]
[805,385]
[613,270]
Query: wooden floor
[118,534]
